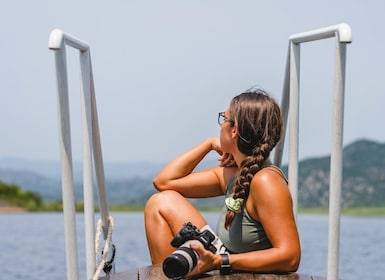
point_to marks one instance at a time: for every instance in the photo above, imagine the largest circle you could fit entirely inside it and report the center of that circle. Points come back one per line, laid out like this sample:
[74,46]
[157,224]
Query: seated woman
[256,229]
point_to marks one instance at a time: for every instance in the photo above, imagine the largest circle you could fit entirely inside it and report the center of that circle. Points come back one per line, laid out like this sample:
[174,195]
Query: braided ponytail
[259,123]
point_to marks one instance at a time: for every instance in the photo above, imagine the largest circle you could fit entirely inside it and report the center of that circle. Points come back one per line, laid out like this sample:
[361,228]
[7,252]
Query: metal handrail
[92,153]
[91,140]
[290,95]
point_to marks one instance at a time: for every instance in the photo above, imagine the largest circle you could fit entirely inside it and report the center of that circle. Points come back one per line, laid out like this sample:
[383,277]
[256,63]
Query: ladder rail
[92,153]
[290,95]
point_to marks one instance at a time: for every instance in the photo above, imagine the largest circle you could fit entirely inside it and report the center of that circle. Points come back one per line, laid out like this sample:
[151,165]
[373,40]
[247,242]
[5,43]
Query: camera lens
[180,262]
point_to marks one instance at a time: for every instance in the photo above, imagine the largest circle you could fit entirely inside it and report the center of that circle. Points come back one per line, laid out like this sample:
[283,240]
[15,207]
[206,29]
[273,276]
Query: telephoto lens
[184,259]
[181,261]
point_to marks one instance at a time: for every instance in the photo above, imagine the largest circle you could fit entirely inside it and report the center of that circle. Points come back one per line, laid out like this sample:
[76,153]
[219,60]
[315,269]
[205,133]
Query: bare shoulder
[268,176]
[269,193]
[269,184]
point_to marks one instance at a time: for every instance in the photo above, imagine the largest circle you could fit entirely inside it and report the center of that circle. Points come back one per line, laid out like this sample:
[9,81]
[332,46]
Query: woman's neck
[239,158]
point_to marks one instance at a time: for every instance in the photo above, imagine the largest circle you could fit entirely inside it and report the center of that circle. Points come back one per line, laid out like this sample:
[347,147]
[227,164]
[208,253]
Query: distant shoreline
[12,209]
[357,211]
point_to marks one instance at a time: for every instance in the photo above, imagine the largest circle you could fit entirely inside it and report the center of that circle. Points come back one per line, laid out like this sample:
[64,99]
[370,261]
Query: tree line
[28,200]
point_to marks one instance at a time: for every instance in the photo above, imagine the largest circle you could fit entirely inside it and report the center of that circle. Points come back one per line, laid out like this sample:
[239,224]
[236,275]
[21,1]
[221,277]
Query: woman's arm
[270,202]
[178,175]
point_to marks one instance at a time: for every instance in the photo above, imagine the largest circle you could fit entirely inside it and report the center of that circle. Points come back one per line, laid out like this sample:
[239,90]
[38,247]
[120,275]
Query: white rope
[106,245]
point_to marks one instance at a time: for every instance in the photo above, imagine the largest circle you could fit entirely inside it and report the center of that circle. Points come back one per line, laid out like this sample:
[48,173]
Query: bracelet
[225,268]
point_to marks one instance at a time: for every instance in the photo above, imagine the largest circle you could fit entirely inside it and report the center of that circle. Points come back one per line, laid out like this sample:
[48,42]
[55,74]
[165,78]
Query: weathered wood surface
[155,272]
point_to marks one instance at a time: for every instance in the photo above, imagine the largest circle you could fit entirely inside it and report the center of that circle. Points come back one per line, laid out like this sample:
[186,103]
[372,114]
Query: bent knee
[163,199]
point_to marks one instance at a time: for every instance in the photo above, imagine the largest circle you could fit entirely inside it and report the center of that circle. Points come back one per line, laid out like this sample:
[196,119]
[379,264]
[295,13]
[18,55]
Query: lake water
[32,245]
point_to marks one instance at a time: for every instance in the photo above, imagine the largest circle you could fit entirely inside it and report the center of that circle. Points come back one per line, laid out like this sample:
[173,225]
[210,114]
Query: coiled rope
[106,248]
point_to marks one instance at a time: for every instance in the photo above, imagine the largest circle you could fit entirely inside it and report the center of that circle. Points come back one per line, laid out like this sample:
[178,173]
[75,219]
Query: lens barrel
[180,262]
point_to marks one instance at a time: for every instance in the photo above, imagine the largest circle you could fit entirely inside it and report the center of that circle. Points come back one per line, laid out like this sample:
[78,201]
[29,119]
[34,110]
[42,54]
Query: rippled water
[32,245]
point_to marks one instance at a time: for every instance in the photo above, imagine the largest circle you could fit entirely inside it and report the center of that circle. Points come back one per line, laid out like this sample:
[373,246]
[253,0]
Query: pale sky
[164,69]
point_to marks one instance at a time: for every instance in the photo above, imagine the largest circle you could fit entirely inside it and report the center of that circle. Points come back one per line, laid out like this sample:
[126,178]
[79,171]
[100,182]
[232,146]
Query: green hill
[363,181]
[11,195]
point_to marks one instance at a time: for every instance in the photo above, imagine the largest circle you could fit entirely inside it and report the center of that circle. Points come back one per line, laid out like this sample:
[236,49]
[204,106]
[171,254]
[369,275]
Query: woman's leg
[164,215]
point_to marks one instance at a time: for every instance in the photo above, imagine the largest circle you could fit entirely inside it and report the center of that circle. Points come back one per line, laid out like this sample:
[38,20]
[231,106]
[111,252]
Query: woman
[257,225]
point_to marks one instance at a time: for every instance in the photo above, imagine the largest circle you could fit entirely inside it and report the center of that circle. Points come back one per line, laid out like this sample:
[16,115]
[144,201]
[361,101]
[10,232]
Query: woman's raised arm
[178,175]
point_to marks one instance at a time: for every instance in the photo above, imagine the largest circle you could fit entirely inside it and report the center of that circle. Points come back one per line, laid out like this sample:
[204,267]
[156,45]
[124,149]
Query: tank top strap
[229,184]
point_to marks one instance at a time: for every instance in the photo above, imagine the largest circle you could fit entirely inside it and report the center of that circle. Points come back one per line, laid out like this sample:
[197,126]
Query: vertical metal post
[99,159]
[278,151]
[336,162]
[66,165]
[294,122]
[89,214]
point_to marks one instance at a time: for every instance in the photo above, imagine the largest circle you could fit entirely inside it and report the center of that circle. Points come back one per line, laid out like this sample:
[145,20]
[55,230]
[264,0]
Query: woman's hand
[207,260]
[225,159]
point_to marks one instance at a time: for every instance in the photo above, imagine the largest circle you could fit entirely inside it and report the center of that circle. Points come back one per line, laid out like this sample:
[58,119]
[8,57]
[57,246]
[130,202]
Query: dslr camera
[184,259]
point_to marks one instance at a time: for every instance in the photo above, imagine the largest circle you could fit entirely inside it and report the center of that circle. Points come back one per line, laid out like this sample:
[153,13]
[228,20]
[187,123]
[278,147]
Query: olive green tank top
[245,234]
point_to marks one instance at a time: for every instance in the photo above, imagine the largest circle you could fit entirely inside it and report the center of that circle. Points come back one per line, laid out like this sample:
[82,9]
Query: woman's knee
[174,209]
[163,200]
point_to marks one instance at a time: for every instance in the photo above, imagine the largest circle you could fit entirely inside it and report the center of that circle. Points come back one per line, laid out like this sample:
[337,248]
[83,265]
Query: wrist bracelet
[225,268]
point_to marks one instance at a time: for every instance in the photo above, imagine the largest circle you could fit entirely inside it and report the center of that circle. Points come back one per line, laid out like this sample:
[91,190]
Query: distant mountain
[363,181]
[131,183]
[52,169]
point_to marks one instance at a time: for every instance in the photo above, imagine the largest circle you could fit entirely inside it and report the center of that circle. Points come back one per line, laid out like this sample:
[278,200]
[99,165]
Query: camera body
[190,232]
[184,259]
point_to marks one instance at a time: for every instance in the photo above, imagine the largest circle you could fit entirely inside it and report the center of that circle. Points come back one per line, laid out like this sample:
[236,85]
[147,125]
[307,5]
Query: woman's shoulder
[268,171]
[269,189]
[268,176]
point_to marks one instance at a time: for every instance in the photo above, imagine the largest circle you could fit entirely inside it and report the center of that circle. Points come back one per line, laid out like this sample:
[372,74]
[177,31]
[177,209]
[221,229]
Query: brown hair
[259,124]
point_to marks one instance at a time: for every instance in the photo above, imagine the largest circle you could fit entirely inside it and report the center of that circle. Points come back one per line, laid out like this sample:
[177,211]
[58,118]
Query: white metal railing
[91,153]
[290,95]
[91,141]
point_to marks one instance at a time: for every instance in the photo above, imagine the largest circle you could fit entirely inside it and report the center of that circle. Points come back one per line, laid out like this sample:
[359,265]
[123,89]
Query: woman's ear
[234,132]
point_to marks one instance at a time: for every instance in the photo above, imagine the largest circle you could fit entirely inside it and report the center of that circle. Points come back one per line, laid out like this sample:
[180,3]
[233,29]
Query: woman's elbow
[156,184]
[288,261]
[293,262]
[159,184]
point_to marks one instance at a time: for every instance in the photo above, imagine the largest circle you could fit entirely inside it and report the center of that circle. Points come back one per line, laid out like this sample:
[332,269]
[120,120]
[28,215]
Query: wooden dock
[155,272]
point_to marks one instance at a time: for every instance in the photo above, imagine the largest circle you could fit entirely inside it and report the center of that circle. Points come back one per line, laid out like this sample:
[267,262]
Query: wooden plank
[155,272]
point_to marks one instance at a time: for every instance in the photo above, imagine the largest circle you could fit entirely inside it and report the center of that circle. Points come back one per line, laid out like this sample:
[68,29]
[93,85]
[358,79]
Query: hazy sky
[164,69]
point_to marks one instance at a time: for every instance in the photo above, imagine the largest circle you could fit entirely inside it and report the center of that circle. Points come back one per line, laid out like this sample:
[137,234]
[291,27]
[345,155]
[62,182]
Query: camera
[184,259]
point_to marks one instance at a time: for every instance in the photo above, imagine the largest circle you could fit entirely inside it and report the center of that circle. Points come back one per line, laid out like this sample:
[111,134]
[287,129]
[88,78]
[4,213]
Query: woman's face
[226,139]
